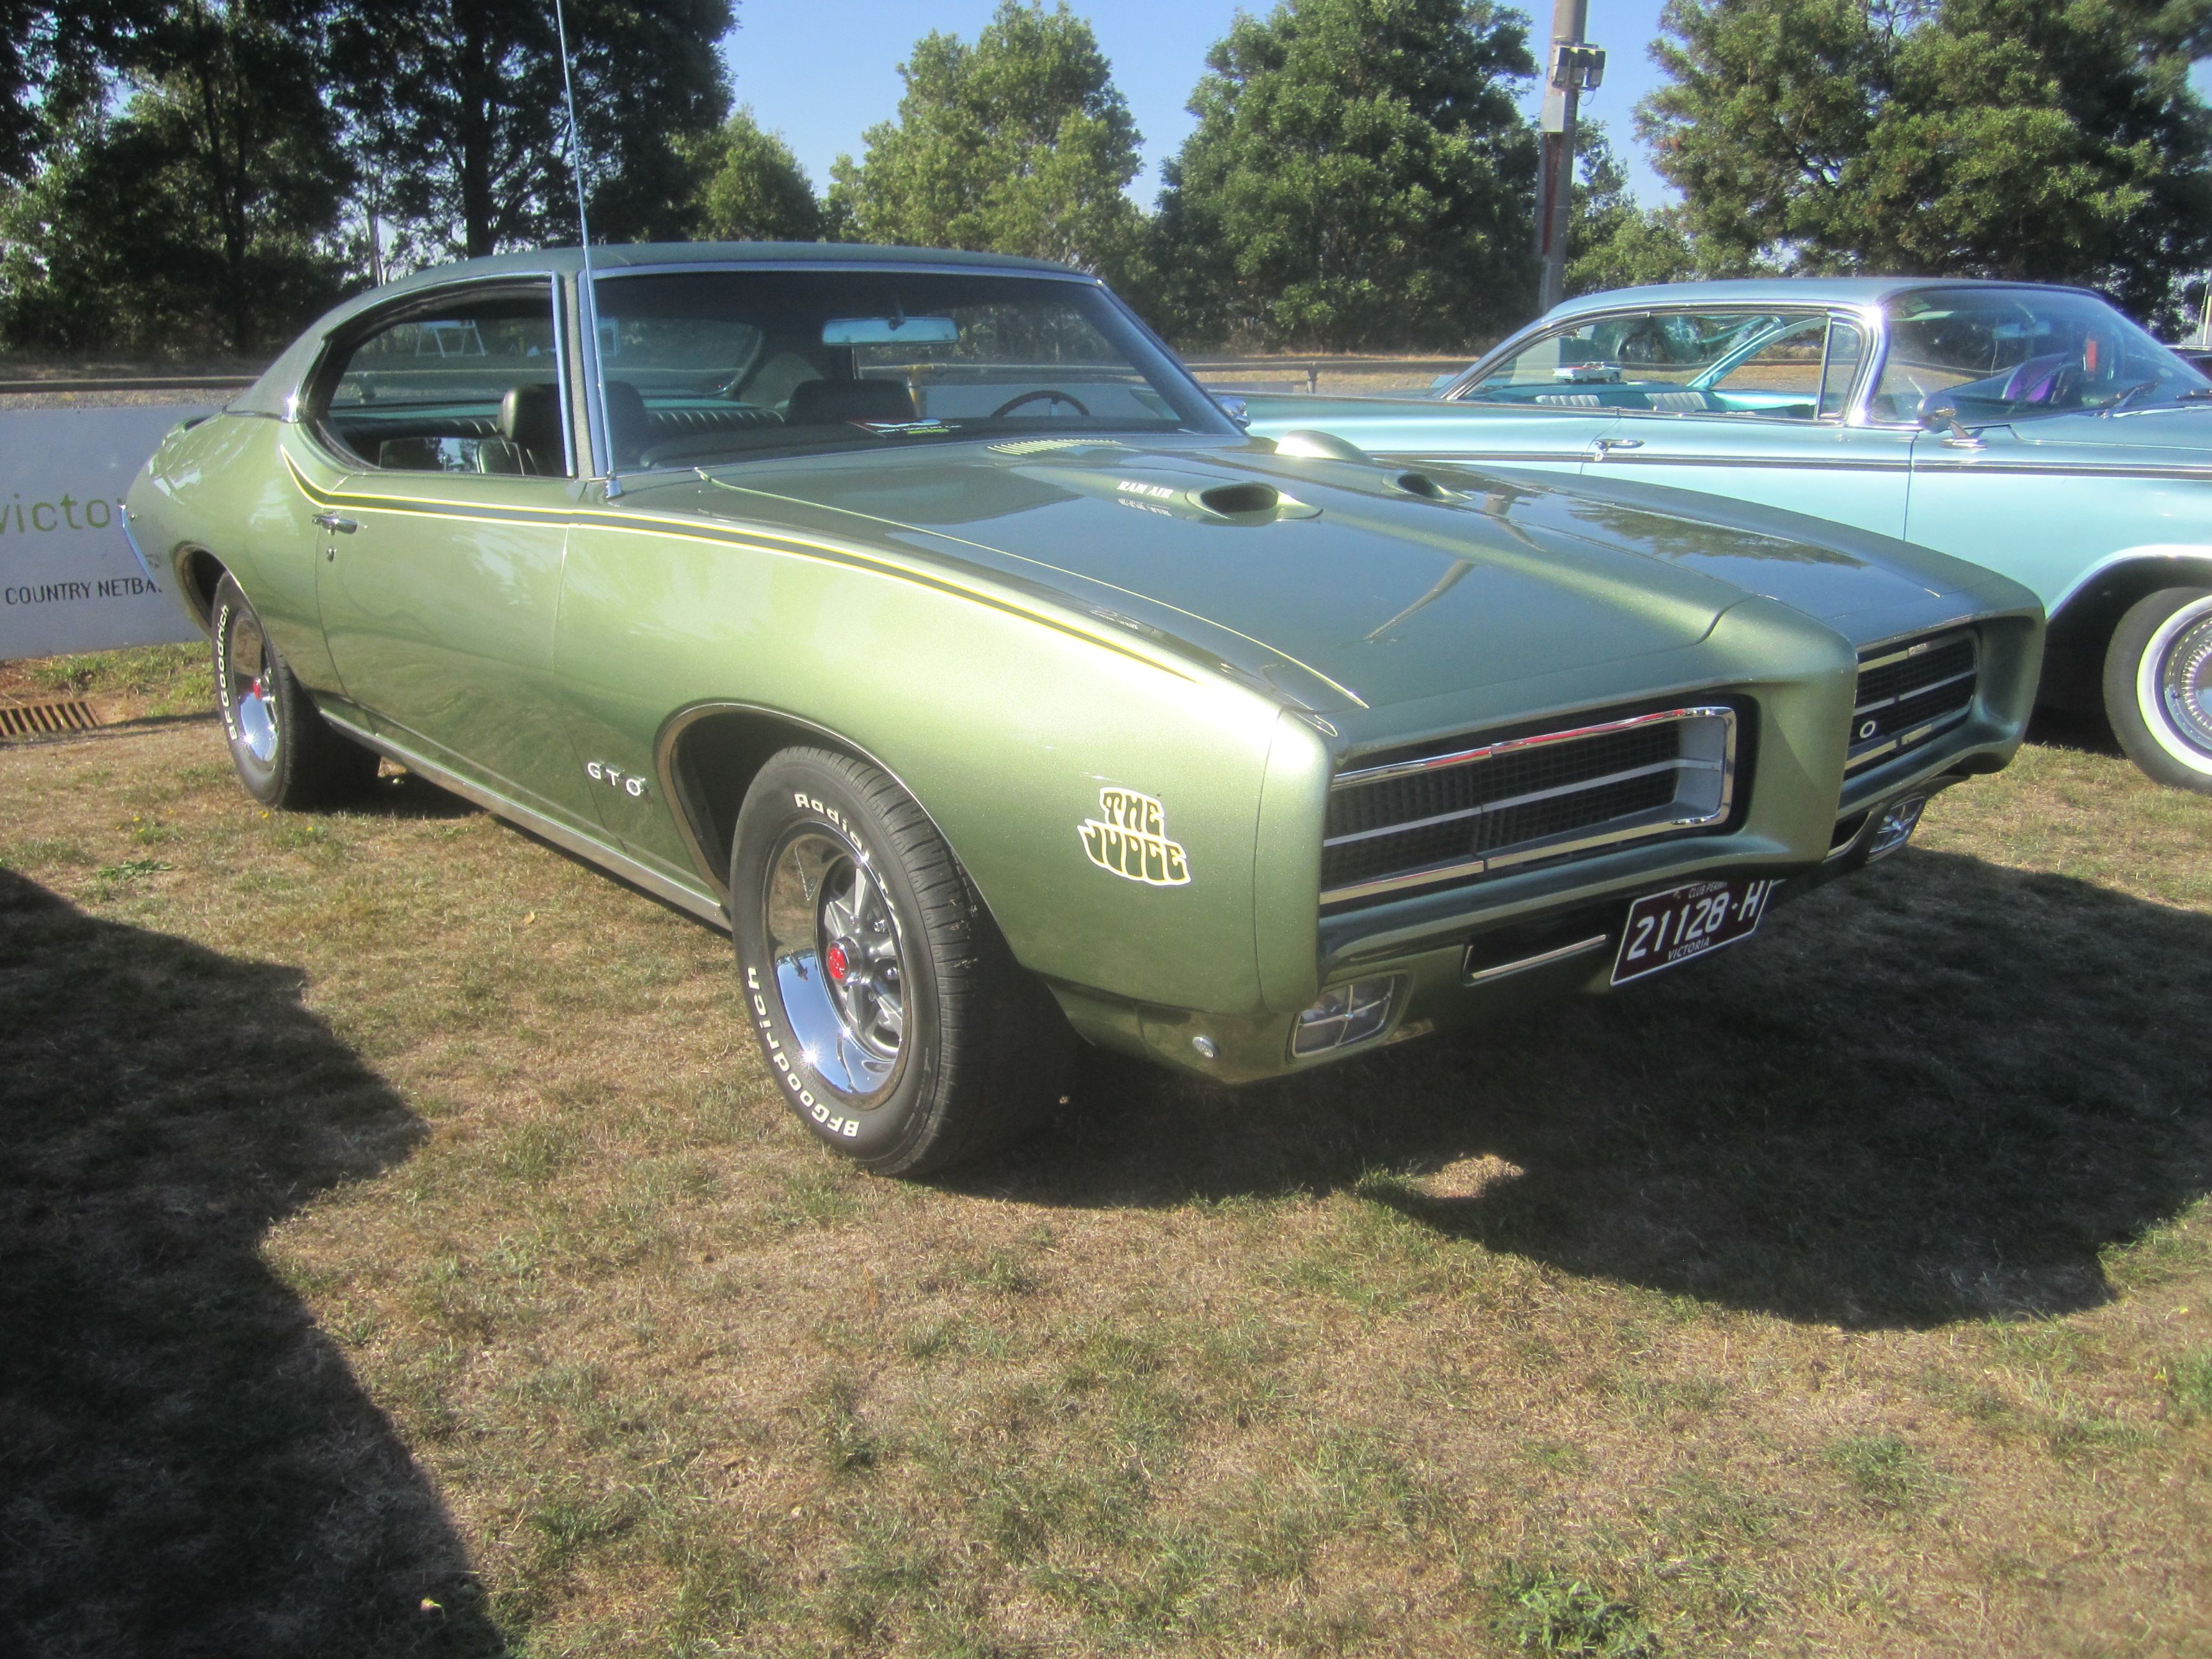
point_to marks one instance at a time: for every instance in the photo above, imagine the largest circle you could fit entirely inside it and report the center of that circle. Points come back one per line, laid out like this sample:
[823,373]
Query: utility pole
[1571,68]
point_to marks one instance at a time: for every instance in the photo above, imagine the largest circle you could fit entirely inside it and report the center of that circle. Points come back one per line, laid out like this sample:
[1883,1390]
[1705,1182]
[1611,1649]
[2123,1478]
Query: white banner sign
[68,579]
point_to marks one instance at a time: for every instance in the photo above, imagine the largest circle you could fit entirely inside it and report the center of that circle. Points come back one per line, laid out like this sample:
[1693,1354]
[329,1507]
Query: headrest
[530,417]
[824,403]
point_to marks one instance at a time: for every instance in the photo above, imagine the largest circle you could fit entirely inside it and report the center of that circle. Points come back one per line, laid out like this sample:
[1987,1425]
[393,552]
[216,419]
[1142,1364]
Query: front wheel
[892,1014]
[2158,686]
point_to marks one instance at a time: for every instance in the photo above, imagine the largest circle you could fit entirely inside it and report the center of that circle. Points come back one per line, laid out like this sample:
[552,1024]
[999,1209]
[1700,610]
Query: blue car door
[1752,404]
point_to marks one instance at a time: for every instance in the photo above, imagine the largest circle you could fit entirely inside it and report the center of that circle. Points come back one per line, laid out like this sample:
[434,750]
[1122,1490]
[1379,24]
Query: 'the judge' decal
[1129,838]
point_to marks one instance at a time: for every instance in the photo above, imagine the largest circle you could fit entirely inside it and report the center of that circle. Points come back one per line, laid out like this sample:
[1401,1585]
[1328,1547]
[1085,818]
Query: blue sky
[823,71]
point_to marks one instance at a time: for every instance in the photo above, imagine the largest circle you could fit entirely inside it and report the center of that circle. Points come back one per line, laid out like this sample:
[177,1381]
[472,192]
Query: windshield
[709,367]
[2003,353]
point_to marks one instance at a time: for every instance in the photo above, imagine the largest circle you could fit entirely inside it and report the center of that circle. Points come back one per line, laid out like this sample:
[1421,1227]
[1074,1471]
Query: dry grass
[414,1260]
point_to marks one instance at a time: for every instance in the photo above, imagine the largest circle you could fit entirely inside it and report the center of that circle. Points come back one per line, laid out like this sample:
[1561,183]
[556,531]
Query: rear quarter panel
[222,486]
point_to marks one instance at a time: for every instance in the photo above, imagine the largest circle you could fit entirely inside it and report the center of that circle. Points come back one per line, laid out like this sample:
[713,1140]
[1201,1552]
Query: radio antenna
[589,308]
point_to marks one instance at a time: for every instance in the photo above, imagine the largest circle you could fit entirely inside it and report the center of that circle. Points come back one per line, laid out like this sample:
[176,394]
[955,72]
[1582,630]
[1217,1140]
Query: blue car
[2029,428]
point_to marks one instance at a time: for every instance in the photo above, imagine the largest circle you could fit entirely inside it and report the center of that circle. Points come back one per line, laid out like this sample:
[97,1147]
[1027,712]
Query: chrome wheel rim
[253,711]
[2175,685]
[839,960]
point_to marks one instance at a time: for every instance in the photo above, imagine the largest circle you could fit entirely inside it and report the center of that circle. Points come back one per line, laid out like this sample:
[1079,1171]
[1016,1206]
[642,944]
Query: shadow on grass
[403,795]
[2086,730]
[1933,1090]
[186,1464]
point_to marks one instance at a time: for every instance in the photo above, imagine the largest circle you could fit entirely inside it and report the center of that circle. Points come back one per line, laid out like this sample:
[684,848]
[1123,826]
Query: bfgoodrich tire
[285,753]
[892,1014]
[2158,686]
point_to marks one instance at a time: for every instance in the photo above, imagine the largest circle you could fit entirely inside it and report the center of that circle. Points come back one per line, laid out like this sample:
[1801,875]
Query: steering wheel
[1047,393]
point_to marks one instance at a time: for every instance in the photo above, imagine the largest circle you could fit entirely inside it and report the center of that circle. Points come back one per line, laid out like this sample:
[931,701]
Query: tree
[53,60]
[2045,140]
[1360,177]
[1613,242]
[457,125]
[1018,144]
[752,187]
[201,215]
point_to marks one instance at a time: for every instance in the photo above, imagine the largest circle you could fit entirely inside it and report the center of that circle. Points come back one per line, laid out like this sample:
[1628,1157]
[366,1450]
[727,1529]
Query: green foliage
[50,69]
[199,217]
[456,108]
[1018,144]
[752,188]
[1612,241]
[2043,140]
[1360,177]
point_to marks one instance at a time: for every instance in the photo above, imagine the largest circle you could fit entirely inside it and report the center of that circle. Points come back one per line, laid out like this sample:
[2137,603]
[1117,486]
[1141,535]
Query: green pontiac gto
[915,616]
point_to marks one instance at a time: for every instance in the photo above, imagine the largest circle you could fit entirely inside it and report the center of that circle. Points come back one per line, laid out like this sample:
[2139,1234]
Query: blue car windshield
[2005,354]
[706,368]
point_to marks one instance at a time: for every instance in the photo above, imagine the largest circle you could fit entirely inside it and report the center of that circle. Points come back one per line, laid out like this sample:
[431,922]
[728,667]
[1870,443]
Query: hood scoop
[1304,444]
[1421,484]
[1238,501]
[1248,502]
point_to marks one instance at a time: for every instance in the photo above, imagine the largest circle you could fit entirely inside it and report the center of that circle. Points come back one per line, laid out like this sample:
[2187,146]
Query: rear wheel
[2158,686]
[285,753]
[893,1019]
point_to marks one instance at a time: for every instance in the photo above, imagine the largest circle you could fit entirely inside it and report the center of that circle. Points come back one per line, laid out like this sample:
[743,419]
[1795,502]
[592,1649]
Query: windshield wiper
[2196,394]
[2114,405]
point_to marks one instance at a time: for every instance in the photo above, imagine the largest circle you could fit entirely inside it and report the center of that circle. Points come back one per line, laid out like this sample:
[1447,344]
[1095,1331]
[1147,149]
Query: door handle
[1601,447]
[332,521]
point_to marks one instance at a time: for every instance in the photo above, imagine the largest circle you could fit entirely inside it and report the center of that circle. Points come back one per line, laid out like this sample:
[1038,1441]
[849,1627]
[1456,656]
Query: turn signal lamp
[1895,826]
[1344,1014]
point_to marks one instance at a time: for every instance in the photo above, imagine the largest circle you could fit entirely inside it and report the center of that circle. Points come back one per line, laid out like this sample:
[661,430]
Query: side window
[1846,351]
[1671,362]
[472,385]
[1568,368]
[1776,371]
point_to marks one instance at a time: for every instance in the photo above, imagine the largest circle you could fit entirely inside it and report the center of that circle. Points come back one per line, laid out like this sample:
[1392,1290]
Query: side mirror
[1956,433]
[1236,410]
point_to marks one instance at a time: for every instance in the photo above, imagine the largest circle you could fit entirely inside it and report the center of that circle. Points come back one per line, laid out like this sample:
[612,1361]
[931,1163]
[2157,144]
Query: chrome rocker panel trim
[569,839]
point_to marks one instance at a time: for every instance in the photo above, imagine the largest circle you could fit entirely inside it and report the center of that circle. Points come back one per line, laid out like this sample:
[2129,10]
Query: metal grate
[1909,691]
[38,720]
[1479,809]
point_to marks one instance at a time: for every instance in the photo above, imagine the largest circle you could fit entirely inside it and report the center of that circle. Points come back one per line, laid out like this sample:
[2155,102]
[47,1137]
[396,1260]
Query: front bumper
[1498,966]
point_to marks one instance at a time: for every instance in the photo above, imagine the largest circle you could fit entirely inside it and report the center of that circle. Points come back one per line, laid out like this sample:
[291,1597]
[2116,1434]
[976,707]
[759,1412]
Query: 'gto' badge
[1129,838]
[615,778]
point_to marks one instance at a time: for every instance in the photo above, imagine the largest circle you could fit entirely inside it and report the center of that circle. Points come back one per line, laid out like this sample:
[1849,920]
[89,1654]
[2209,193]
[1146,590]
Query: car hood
[1346,582]
[1865,586]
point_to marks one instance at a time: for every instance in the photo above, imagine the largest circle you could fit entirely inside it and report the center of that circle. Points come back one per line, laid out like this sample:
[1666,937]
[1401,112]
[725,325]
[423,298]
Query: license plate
[1670,927]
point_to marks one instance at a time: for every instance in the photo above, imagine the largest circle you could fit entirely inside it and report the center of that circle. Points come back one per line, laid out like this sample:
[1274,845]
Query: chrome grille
[1491,806]
[1910,691]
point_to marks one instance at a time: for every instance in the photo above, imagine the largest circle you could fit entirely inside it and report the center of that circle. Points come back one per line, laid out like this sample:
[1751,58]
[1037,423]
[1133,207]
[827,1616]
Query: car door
[1543,404]
[1759,409]
[437,448]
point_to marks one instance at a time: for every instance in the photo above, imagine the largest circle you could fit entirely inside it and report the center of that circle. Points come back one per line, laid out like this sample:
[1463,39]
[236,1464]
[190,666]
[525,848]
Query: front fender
[913,669]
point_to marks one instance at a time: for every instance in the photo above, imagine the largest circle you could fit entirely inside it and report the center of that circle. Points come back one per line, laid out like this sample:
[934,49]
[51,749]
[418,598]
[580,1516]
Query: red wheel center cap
[838,964]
